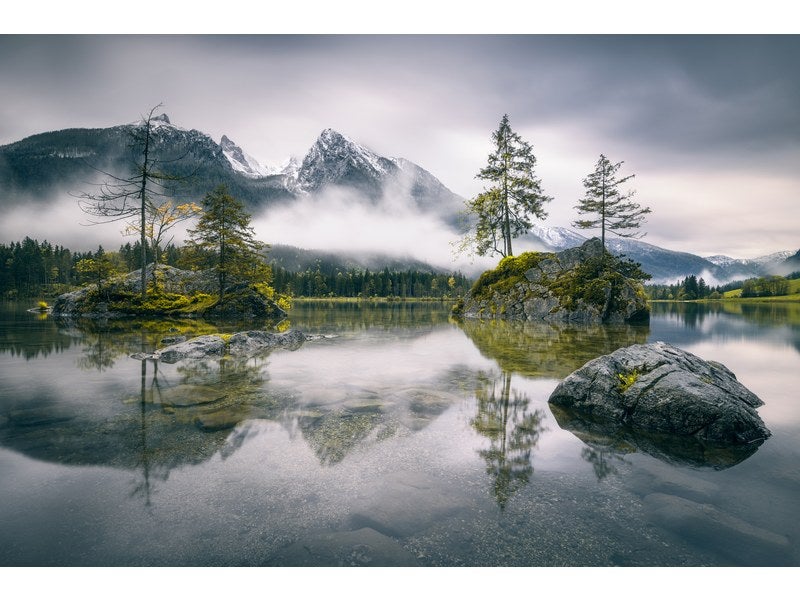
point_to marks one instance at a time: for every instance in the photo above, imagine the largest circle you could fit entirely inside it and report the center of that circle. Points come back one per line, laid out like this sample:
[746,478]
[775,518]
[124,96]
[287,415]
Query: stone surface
[246,343]
[364,547]
[667,391]
[404,504]
[243,343]
[547,292]
[203,346]
[708,526]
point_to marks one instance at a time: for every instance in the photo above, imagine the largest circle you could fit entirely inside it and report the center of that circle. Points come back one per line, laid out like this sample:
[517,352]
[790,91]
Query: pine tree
[224,241]
[504,210]
[613,210]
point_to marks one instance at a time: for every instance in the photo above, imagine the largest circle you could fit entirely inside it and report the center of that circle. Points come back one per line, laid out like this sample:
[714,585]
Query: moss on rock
[584,284]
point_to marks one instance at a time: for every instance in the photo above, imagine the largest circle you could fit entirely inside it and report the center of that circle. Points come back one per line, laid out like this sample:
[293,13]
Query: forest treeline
[30,269]
[694,288]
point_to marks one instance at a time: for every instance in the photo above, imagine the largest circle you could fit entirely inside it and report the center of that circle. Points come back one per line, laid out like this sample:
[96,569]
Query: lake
[395,436]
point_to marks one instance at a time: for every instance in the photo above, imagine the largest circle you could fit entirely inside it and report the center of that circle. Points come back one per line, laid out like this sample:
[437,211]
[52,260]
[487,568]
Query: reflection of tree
[99,352]
[144,487]
[548,349]
[336,315]
[513,432]
[601,458]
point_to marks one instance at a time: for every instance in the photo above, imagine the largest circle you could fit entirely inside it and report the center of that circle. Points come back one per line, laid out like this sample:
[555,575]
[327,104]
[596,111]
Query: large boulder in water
[662,389]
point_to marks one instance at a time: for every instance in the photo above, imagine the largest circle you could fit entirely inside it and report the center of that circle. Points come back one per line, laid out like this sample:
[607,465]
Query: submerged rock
[243,343]
[658,388]
[364,547]
[710,527]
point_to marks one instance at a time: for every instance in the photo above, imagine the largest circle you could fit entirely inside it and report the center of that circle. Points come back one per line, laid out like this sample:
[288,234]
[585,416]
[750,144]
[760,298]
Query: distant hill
[299,259]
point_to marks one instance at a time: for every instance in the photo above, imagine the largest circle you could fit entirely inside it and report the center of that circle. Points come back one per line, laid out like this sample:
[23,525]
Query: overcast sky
[710,125]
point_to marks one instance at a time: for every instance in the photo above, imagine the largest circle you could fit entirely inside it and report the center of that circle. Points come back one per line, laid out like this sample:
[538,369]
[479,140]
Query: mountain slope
[336,160]
[46,165]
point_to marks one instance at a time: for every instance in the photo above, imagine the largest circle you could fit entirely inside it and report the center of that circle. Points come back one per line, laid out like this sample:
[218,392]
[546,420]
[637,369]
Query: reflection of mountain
[180,422]
[610,440]
[513,432]
[547,350]
[368,416]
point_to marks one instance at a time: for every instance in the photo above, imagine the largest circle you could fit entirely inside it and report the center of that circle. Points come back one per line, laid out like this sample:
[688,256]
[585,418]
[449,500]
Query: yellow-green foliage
[42,305]
[225,337]
[162,303]
[283,301]
[626,380]
[507,274]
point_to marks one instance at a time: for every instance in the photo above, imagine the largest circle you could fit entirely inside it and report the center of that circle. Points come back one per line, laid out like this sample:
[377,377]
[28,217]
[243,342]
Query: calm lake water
[393,437]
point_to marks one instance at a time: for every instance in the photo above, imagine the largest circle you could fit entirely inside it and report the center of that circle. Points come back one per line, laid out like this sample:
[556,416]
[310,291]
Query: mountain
[336,160]
[668,266]
[243,163]
[46,165]
[49,165]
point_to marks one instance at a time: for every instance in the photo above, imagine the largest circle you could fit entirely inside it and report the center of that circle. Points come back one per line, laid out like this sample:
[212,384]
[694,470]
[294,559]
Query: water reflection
[770,314]
[513,432]
[176,417]
[547,349]
[343,315]
[607,442]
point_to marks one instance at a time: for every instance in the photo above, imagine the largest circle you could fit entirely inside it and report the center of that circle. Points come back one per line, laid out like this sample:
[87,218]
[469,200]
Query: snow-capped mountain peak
[335,158]
[243,163]
[158,122]
[557,238]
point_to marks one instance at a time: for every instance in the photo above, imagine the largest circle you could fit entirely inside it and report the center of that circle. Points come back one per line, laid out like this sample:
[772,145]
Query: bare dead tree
[137,197]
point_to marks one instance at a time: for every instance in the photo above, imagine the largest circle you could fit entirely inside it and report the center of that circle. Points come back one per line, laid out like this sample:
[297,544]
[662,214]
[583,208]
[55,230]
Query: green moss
[626,380]
[507,274]
[160,303]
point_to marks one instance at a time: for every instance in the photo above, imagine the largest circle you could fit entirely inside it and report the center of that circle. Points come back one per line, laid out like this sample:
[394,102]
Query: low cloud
[339,220]
[61,222]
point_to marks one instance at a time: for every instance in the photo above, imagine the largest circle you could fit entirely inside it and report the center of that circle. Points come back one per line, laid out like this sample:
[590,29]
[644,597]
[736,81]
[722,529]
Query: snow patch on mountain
[557,238]
[243,163]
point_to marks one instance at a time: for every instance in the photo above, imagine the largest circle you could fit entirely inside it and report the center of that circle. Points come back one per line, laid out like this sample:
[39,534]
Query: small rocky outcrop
[578,285]
[660,389]
[243,343]
[179,293]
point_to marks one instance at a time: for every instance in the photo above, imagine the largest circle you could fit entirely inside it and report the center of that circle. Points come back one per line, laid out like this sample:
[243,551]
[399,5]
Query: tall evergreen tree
[504,210]
[613,210]
[224,241]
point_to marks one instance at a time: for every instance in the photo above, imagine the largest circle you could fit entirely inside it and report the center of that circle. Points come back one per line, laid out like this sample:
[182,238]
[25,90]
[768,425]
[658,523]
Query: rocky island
[171,291]
[579,285]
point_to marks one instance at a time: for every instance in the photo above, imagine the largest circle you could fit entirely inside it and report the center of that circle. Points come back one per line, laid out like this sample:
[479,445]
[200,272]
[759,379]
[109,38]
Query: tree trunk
[143,195]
